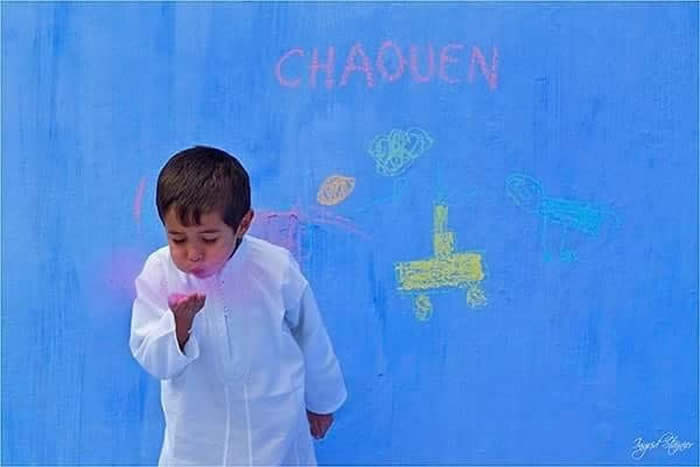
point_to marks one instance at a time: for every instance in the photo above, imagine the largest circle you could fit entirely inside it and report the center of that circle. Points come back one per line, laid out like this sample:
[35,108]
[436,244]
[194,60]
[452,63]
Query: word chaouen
[453,63]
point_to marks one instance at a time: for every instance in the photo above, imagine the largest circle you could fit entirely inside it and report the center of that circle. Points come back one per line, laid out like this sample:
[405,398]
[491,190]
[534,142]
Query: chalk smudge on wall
[138,200]
[285,228]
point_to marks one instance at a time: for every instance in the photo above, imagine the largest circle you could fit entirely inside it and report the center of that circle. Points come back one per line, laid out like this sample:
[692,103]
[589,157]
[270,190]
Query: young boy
[230,326]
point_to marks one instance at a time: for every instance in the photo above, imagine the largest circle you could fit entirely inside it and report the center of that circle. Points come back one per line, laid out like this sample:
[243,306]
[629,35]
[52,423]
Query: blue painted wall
[553,148]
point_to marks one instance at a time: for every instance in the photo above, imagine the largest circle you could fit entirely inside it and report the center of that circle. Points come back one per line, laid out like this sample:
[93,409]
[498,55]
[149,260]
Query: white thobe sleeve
[325,387]
[153,341]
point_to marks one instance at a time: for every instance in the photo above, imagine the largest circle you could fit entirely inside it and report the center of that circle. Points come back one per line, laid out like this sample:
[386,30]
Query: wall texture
[496,204]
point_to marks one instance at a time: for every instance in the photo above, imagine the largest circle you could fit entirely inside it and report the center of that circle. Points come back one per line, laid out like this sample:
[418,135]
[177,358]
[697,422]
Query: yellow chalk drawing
[446,269]
[475,295]
[424,307]
[335,189]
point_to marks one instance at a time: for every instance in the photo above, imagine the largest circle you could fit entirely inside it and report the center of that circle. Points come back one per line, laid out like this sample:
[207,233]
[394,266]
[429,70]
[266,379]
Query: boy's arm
[325,387]
[154,341]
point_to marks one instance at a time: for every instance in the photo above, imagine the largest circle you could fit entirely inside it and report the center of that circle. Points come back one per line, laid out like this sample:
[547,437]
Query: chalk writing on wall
[453,63]
[446,269]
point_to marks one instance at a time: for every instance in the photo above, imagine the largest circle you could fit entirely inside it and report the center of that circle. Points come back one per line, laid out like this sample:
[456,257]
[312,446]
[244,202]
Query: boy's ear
[246,221]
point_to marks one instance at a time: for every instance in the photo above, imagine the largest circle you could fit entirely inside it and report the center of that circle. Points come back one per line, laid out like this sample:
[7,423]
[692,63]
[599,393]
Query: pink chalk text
[452,63]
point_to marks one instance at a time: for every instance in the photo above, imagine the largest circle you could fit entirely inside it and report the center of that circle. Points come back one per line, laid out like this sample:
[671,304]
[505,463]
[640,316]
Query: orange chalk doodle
[446,268]
[335,189]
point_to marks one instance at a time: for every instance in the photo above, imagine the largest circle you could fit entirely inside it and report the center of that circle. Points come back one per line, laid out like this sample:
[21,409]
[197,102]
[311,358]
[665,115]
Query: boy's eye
[210,240]
[177,240]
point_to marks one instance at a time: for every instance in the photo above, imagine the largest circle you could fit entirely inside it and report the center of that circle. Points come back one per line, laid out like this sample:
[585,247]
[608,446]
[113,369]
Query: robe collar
[236,259]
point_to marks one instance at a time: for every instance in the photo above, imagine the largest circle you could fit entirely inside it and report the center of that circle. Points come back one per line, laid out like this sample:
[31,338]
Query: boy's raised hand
[185,307]
[319,423]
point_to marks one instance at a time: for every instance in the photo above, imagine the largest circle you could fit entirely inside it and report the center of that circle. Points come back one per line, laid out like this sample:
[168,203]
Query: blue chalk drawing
[572,215]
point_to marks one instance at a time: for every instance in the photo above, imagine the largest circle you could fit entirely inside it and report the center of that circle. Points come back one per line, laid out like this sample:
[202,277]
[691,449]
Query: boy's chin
[201,273]
[197,272]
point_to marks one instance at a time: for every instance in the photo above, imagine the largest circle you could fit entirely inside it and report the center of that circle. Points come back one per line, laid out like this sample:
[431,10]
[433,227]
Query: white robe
[258,356]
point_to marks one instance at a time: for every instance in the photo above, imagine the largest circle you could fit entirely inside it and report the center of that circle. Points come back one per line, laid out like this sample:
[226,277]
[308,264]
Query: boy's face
[203,249]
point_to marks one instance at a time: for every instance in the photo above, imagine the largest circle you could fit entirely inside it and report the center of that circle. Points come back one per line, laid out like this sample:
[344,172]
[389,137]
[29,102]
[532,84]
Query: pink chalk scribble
[138,200]
[285,228]
[325,216]
[278,227]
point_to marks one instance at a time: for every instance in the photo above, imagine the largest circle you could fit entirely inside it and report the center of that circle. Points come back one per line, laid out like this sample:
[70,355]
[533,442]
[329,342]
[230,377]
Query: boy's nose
[194,255]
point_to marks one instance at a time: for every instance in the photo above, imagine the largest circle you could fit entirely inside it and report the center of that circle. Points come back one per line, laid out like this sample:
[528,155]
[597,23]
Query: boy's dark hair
[200,180]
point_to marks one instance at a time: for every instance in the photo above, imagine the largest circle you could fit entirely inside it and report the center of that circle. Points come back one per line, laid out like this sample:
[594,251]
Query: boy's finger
[325,425]
[327,422]
[196,299]
[198,304]
[312,424]
[174,299]
[193,304]
[183,305]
